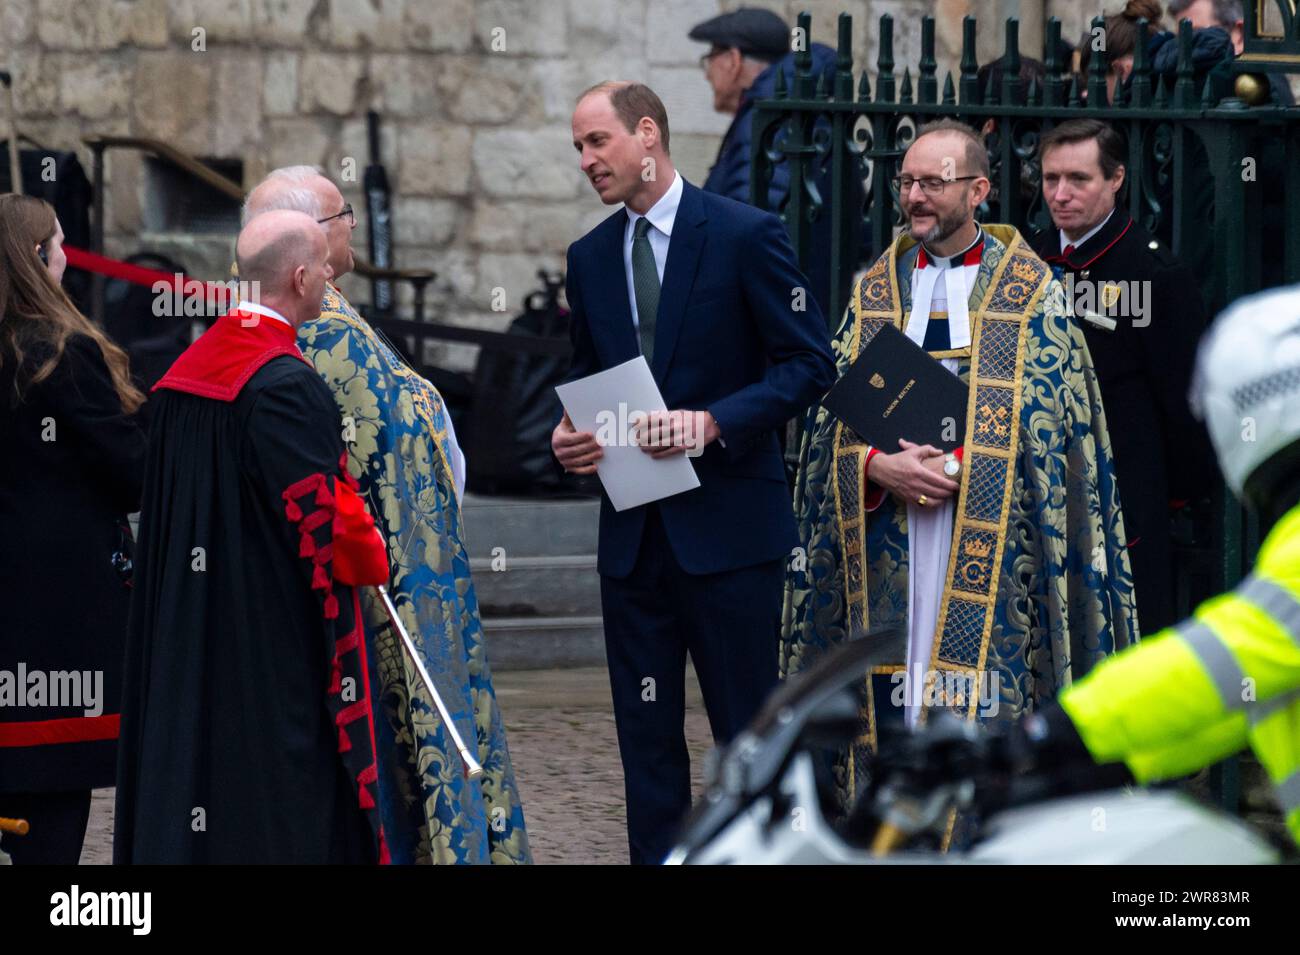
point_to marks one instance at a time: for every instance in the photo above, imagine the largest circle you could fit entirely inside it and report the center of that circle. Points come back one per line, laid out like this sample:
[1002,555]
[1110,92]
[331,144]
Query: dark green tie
[645,284]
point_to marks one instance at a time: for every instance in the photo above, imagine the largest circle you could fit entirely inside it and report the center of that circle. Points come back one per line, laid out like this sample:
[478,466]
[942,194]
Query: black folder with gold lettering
[896,390]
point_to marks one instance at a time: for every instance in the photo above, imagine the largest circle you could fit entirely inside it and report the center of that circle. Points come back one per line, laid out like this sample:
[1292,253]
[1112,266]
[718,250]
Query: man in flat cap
[748,48]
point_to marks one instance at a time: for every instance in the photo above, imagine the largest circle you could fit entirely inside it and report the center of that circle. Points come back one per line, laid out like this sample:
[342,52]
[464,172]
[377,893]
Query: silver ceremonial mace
[472,768]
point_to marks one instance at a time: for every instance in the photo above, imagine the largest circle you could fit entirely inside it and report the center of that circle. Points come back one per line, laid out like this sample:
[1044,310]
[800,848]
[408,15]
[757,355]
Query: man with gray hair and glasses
[402,450]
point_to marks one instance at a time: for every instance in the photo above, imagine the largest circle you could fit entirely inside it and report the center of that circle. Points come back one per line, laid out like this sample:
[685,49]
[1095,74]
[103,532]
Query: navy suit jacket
[730,338]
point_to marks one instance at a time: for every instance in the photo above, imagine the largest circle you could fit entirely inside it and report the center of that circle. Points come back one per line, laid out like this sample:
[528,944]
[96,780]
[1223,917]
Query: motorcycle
[770,799]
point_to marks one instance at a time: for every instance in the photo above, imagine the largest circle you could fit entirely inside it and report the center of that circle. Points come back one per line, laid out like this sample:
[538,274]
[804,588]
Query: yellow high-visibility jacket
[1200,691]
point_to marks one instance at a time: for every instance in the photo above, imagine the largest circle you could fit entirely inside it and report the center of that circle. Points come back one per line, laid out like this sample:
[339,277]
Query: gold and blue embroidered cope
[1038,587]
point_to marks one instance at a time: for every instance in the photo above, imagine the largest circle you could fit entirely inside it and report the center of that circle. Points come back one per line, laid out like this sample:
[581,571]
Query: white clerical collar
[966,256]
[256,309]
[1078,243]
[664,212]
[956,286]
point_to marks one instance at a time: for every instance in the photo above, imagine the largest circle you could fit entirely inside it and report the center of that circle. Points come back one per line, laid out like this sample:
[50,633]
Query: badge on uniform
[1110,295]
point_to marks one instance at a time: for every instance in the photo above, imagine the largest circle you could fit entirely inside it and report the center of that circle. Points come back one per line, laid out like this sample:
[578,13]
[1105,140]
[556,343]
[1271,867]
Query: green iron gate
[1207,158]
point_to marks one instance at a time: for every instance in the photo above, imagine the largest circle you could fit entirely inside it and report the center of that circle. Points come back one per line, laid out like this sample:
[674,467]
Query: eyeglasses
[707,57]
[930,185]
[346,213]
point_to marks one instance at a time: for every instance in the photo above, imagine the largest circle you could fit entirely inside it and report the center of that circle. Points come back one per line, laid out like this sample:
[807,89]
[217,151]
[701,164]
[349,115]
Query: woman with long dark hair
[71,465]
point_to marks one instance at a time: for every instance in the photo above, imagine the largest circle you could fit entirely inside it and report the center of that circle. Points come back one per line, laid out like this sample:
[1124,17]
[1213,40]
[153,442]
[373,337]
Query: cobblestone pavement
[560,727]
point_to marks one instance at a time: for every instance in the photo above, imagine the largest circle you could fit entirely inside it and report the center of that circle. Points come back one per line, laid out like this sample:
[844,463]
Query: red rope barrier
[218,292]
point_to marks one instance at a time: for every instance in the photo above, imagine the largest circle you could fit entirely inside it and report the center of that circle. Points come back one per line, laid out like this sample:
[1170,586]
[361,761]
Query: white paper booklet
[607,404]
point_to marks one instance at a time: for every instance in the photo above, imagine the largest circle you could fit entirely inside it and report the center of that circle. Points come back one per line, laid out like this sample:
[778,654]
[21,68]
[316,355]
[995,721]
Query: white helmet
[1247,382]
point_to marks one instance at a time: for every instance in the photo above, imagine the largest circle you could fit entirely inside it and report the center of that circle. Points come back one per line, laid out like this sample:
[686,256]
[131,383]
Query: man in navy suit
[709,291]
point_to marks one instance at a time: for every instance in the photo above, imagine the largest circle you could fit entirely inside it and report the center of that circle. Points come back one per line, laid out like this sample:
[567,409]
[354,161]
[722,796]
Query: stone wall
[475,97]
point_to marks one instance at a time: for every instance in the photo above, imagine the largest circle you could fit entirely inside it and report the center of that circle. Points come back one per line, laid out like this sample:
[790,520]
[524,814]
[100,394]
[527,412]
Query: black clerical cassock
[247,730]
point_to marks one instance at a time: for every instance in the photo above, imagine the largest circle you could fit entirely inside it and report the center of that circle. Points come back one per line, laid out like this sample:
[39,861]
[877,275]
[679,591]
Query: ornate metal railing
[1183,133]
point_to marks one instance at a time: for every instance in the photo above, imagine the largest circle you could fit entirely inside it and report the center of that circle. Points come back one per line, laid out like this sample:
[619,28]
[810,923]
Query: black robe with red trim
[247,729]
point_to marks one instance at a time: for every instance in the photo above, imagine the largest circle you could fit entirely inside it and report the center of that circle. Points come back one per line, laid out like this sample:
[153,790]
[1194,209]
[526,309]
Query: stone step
[559,586]
[540,643]
[534,568]
[526,527]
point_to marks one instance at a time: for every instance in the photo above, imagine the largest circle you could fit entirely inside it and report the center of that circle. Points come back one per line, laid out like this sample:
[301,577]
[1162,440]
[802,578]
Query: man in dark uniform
[1142,315]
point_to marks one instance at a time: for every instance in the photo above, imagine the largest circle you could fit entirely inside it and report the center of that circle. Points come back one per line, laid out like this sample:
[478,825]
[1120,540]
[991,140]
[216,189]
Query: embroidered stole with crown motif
[999,323]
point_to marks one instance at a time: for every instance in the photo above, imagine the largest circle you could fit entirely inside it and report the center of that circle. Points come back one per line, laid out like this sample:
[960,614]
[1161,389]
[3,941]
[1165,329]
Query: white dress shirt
[257,309]
[1078,243]
[661,216]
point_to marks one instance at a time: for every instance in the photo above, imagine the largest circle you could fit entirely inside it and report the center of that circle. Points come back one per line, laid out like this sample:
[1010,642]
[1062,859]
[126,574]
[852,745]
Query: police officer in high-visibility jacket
[1229,676]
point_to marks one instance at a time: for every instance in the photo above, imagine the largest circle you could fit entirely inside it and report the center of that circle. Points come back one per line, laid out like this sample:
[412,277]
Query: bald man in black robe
[247,728]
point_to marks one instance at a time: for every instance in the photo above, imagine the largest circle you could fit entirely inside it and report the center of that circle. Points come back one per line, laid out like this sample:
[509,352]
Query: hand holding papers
[609,404]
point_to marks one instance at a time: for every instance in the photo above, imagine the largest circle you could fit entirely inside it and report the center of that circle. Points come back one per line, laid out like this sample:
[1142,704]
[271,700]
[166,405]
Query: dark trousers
[653,618]
[1151,560]
[58,826]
